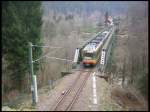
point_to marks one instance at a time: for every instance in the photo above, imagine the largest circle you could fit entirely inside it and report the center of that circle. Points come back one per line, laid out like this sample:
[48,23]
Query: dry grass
[127,99]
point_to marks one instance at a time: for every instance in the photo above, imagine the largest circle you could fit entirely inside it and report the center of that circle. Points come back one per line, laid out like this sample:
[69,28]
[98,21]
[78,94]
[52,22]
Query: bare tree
[138,43]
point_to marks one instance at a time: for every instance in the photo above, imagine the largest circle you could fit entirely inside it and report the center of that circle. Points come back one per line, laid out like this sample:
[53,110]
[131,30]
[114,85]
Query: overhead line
[60,59]
[41,57]
[46,46]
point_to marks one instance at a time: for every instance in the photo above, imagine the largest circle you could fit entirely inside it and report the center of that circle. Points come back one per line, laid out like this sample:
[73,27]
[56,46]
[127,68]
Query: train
[91,52]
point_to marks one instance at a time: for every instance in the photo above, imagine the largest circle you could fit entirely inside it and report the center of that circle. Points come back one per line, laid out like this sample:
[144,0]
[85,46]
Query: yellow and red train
[92,50]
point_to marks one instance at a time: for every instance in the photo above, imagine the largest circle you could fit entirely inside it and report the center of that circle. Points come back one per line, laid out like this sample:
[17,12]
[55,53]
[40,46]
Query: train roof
[105,32]
[90,47]
[96,42]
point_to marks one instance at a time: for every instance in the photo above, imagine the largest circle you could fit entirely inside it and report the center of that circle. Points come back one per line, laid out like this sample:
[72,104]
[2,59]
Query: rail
[65,102]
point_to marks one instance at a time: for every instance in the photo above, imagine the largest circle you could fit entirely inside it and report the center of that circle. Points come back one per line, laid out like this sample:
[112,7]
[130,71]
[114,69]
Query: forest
[64,24]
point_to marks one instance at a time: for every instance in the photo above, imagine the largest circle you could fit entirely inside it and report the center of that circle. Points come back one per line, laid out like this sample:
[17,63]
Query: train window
[88,54]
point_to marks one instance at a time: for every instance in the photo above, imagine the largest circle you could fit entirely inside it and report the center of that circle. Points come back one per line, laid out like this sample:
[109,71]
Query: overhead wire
[44,55]
[46,46]
[60,59]
[40,58]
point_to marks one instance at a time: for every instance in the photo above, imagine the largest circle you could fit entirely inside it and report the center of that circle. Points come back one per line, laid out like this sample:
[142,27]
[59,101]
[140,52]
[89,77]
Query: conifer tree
[21,23]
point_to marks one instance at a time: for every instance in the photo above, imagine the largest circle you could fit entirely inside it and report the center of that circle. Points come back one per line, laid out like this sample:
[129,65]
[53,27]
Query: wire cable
[43,56]
[60,59]
[46,46]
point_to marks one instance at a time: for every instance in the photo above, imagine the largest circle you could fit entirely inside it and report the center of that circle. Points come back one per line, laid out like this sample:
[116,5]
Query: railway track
[66,101]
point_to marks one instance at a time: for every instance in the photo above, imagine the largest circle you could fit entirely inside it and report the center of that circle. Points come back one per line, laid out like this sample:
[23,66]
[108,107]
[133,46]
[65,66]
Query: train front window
[88,55]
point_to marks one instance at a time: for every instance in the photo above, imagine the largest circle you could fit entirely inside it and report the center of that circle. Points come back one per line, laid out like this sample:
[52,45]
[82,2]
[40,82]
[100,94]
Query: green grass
[89,29]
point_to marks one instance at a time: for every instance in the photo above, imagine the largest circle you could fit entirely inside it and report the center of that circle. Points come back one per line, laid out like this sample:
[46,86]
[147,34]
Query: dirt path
[85,99]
